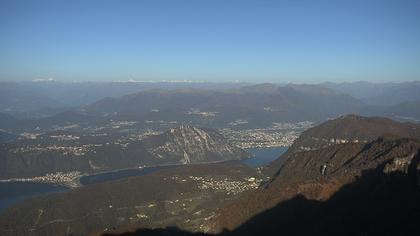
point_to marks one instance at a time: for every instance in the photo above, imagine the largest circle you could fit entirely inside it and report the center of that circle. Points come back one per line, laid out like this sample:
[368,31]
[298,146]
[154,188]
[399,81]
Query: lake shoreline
[76,182]
[13,192]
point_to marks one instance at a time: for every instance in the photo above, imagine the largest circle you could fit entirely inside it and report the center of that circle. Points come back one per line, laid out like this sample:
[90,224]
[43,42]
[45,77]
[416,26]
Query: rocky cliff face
[187,144]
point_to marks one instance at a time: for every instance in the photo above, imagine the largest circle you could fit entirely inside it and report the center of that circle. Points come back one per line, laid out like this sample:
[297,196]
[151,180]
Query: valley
[210,197]
[189,158]
[209,118]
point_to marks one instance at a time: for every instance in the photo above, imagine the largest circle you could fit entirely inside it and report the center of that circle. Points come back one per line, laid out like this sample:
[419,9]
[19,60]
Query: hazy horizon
[53,80]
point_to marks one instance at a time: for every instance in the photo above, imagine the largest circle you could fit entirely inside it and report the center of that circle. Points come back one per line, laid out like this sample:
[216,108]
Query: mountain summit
[188,144]
[346,129]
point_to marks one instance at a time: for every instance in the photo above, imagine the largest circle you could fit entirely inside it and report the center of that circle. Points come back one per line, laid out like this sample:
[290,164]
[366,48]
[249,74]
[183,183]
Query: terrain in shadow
[377,203]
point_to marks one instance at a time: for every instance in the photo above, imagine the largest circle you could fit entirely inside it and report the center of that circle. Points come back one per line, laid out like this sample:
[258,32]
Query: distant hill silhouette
[260,105]
[380,94]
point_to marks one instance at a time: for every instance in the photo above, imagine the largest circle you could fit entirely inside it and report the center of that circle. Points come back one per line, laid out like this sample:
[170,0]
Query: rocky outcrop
[353,129]
[187,144]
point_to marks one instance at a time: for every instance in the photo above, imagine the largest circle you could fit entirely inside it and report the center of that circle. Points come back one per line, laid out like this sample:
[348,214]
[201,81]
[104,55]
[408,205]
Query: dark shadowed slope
[374,192]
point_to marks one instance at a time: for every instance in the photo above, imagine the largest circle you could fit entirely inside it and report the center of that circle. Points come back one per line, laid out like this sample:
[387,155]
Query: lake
[121,174]
[13,192]
[263,156]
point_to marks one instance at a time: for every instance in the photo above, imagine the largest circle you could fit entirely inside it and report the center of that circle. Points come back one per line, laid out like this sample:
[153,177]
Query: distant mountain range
[42,98]
[379,94]
[405,111]
[259,105]
[45,104]
[16,98]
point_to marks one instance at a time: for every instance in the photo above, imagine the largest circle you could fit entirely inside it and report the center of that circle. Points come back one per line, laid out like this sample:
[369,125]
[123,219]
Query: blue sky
[210,40]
